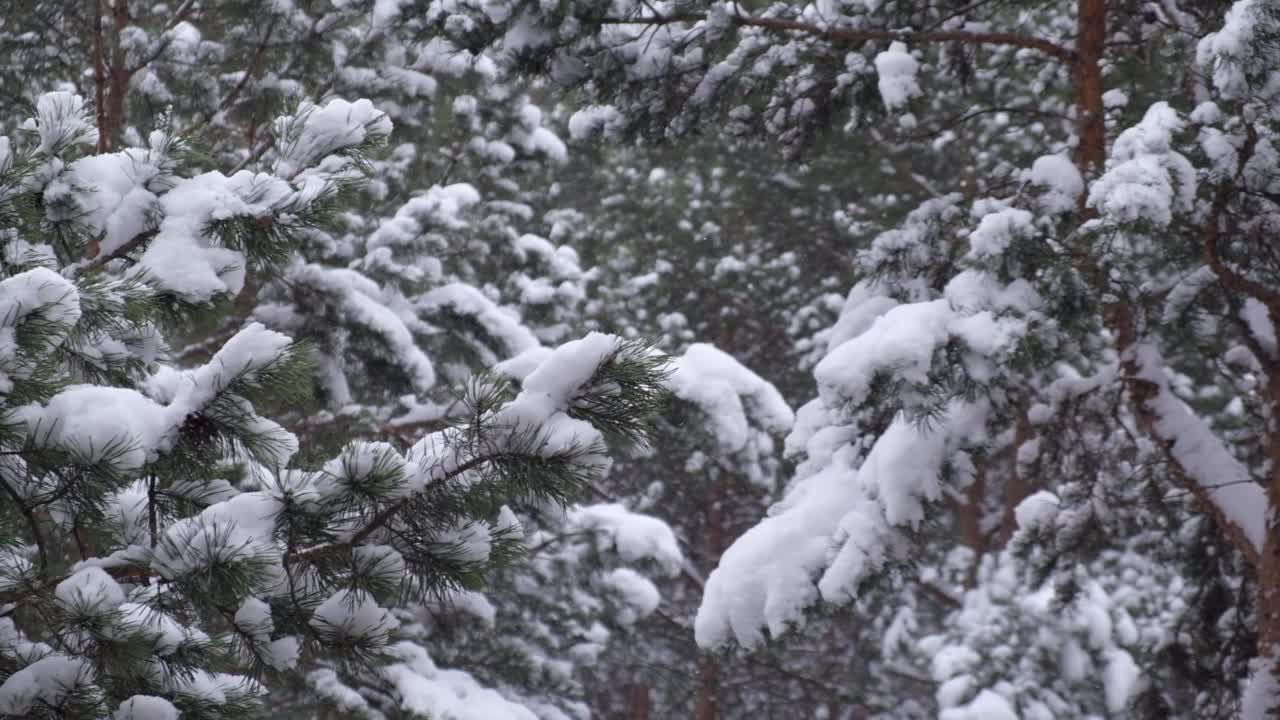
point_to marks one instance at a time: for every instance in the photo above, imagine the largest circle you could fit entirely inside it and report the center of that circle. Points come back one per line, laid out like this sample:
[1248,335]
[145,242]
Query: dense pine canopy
[515,360]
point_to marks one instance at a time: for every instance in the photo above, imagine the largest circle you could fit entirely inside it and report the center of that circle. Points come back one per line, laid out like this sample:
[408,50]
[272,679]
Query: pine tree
[163,553]
[1086,315]
[424,273]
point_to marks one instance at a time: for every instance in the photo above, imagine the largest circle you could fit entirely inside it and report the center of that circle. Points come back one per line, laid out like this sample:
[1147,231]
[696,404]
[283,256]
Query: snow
[722,387]
[212,688]
[38,293]
[1256,316]
[468,301]
[954,660]
[165,633]
[42,292]
[430,691]
[353,613]
[903,338]
[595,119]
[1146,179]
[238,528]
[897,71]
[986,706]
[520,365]
[1206,113]
[1261,692]
[837,525]
[146,707]
[46,680]
[379,561]
[89,589]
[1114,98]
[317,131]
[358,465]
[115,196]
[283,653]
[1202,455]
[1036,510]
[101,424]
[329,687]
[1224,51]
[129,429]
[1120,680]
[1061,181]
[997,230]
[362,302]
[440,206]
[638,596]
[1220,149]
[635,536]
[62,120]
[183,258]
[569,367]
[738,404]
[186,259]
[254,617]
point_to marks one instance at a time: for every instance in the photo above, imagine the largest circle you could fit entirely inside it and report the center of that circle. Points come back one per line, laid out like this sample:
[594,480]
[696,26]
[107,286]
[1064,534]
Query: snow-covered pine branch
[164,552]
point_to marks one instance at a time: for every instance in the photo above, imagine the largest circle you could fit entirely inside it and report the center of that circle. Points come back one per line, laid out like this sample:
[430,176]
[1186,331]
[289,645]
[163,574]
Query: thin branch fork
[1047,47]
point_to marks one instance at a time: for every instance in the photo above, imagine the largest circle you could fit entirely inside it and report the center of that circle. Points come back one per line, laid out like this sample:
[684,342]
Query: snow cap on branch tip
[897,70]
[62,119]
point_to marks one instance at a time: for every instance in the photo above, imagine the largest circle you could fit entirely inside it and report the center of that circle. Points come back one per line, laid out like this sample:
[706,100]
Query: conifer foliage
[162,553]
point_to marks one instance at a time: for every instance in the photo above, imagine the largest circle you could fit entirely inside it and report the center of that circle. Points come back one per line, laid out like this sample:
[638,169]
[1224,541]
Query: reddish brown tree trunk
[638,702]
[99,74]
[1091,39]
[969,520]
[707,706]
[1119,318]
[1018,487]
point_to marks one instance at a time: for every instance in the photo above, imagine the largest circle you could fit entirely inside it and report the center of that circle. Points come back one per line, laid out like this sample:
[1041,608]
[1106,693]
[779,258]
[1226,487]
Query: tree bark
[969,520]
[1018,488]
[99,77]
[638,700]
[1091,40]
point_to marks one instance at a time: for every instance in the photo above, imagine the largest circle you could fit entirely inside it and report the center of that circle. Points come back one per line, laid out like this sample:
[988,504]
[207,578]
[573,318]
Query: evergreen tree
[163,553]
[1085,315]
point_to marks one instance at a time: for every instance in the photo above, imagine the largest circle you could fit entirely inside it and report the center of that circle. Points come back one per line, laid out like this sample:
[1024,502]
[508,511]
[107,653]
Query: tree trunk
[1091,39]
[1119,318]
[99,77]
[638,702]
[1018,488]
[969,520]
[708,706]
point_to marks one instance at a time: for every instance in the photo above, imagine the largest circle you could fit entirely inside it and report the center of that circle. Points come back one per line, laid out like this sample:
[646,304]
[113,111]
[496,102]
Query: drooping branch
[1048,47]
[1198,461]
